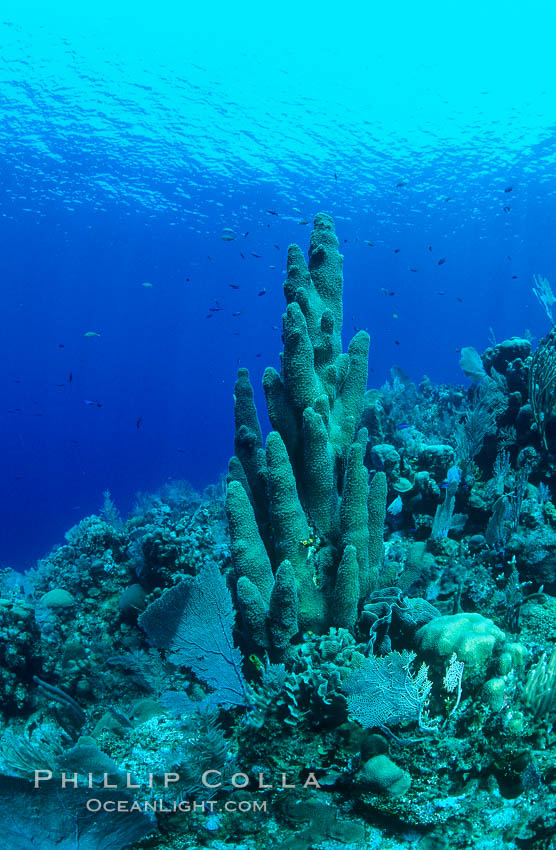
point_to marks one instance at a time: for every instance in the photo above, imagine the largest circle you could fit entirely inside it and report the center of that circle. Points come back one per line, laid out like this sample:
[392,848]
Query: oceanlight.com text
[158,806]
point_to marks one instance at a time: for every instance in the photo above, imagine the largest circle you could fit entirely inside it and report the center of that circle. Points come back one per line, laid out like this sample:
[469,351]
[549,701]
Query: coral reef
[348,644]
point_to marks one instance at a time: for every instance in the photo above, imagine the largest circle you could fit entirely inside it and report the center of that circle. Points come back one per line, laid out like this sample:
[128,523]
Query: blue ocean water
[133,141]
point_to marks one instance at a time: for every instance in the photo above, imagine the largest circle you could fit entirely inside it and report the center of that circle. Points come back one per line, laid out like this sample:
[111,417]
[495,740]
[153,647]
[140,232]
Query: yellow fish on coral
[257,663]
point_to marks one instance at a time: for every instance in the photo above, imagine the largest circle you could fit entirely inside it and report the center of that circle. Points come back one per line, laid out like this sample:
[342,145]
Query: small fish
[70,377]
[246,234]
[275,328]
[147,285]
[61,345]
[90,333]
[257,663]
[441,293]
[262,292]
[272,267]
[208,316]
[413,270]
[401,183]
[508,189]
[237,314]
[442,260]
[272,212]
[227,230]
[233,285]
[395,316]
[515,277]
[430,247]
[459,299]
[277,247]
[509,258]
[227,238]
[370,244]
[391,293]
[94,402]
[335,176]
[403,425]
[507,208]
[60,385]
[397,250]
[258,256]
[215,309]
[396,342]
[303,221]
[258,355]
[180,451]
[242,255]
[138,422]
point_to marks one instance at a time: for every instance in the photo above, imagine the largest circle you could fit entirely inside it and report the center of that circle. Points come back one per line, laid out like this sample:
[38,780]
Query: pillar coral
[306,526]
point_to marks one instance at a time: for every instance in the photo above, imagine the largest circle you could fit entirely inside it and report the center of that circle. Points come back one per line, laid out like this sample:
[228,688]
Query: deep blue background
[102,193]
